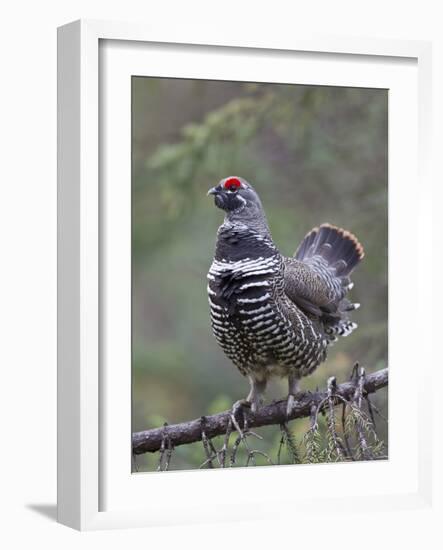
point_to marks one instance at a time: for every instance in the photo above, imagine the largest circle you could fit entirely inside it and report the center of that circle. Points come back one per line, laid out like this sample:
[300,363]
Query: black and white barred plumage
[274,315]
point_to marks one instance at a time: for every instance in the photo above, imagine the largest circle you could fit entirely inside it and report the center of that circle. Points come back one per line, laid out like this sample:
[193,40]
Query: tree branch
[150,441]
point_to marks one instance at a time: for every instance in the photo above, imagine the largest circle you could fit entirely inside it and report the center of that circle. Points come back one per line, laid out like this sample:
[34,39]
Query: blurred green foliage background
[315,154]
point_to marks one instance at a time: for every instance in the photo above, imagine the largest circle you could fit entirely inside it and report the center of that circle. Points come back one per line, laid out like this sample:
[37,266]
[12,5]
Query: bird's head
[240,202]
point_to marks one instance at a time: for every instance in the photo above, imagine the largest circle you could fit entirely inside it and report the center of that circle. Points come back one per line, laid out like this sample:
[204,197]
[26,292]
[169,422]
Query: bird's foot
[293,400]
[247,405]
[239,416]
[290,407]
[240,406]
[256,402]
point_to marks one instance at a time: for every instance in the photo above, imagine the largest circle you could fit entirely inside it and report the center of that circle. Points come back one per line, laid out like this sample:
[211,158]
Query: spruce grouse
[273,315]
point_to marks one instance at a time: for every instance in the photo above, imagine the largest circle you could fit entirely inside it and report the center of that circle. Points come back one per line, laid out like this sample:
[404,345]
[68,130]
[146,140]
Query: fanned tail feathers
[341,251]
[338,247]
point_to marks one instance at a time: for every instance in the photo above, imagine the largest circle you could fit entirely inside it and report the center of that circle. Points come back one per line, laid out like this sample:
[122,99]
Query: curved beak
[213,191]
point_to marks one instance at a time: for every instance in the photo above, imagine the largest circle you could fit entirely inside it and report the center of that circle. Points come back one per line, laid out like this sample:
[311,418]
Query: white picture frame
[84,413]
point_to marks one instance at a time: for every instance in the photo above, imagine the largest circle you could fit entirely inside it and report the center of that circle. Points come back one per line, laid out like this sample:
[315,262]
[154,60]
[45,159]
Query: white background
[28,253]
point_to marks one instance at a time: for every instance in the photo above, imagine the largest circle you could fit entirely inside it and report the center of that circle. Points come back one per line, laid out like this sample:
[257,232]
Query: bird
[272,315]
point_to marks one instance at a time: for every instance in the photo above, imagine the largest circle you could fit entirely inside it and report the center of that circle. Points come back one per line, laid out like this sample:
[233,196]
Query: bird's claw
[290,405]
[240,405]
[236,418]
[292,400]
[238,411]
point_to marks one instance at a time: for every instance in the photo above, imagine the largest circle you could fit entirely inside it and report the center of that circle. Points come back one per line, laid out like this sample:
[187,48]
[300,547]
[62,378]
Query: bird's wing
[312,287]
[317,277]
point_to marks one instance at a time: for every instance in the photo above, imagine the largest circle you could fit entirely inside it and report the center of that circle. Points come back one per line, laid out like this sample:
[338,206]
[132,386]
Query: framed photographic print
[234,225]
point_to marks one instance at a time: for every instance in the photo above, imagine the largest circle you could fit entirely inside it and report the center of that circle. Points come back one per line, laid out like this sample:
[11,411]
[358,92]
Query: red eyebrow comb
[232,182]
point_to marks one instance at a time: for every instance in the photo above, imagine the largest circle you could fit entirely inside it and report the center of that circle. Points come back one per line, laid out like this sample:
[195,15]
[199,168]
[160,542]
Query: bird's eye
[232,188]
